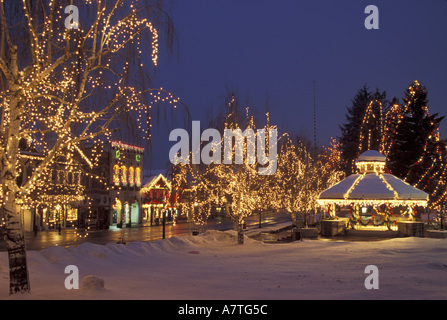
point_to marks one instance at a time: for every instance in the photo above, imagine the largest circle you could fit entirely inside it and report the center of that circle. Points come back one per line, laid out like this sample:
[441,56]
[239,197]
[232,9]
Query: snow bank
[212,266]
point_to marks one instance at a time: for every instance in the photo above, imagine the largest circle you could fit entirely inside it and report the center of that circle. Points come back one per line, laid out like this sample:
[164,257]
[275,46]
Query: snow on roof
[405,190]
[152,181]
[371,155]
[339,190]
[372,187]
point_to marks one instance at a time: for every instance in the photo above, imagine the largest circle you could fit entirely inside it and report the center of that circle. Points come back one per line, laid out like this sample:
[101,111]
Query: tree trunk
[14,234]
[293,214]
[240,233]
[15,243]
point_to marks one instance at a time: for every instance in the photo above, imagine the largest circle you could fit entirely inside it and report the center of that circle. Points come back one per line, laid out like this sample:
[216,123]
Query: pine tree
[373,124]
[392,119]
[416,153]
[364,127]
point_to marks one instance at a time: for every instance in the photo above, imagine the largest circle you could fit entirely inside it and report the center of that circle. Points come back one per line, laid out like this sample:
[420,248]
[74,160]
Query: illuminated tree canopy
[66,87]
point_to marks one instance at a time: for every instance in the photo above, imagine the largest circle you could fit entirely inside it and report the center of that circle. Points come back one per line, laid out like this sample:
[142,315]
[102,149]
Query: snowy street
[68,237]
[212,266]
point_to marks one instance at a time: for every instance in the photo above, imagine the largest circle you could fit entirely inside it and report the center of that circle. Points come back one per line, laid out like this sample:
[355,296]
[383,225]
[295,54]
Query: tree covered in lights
[302,175]
[416,153]
[237,187]
[363,129]
[64,85]
[294,187]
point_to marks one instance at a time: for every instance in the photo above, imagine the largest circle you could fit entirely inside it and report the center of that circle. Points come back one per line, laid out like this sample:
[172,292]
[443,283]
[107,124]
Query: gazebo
[372,194]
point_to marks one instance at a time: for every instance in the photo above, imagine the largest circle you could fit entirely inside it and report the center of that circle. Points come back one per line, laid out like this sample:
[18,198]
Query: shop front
[125,213]
[156,201]
[53,216]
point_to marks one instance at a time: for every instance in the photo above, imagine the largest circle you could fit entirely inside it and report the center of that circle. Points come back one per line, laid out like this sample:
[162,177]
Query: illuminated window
[116,214]
[131,177]
[138,177]
[124,175]
[72,213]
[126,212]
[116,204]
[116,175]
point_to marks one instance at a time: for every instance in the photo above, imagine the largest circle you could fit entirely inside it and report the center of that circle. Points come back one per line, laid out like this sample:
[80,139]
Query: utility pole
[315,124]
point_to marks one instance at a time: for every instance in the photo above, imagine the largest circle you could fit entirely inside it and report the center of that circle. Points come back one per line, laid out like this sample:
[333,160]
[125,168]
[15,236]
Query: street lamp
[195,231]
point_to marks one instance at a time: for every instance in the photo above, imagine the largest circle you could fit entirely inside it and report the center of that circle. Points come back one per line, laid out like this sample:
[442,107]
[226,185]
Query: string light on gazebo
[372,187]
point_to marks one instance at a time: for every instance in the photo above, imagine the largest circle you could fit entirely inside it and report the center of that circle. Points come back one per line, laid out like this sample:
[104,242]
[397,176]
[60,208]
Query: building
[113,186]
[53,201]
[95,187]
[156,194]
[126,165]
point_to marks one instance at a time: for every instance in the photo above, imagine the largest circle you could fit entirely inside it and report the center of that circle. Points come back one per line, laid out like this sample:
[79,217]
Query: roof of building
[373,187]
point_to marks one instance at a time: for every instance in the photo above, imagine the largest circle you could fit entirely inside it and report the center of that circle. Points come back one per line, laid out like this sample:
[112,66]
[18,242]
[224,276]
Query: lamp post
[164,218]
[164,223]
[195,231]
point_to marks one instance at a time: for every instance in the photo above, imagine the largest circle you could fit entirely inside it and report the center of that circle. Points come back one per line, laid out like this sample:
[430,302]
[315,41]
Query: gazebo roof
[372,155]
[373,187]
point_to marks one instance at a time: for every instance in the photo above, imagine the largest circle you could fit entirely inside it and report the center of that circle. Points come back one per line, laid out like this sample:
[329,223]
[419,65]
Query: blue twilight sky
[275,50]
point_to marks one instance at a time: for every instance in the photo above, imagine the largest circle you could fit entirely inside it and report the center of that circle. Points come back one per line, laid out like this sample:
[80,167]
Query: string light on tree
[65,89]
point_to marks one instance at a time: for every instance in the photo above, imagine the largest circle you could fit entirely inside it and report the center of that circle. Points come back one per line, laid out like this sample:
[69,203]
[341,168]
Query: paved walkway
[69,237]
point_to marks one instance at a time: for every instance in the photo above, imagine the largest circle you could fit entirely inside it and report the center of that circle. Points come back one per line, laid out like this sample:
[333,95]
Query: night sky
[274,51]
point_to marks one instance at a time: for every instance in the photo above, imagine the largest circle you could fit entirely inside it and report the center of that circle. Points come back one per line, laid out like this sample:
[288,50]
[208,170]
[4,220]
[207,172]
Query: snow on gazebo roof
[371,155]
[372,186]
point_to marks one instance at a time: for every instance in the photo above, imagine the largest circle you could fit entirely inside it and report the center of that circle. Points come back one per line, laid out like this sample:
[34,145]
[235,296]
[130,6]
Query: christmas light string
[59,117]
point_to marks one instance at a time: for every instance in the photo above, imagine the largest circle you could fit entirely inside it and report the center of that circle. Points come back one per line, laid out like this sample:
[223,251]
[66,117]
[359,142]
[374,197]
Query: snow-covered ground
[213,266]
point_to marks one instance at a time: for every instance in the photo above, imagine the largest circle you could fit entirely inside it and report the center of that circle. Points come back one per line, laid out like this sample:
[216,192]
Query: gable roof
[153,180]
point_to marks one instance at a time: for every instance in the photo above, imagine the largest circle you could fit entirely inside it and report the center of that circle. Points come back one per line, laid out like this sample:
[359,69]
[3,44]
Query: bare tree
[301,177]
[225,182]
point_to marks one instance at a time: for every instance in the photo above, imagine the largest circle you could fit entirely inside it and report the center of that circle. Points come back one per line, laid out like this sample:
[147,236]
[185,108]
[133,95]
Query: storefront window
[116,214]
[72,213]
[126,212]
[146,214]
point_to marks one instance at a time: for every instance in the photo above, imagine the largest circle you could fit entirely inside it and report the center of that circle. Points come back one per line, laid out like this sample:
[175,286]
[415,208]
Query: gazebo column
[332,226]
[351,211]
[331,210]
[355,210]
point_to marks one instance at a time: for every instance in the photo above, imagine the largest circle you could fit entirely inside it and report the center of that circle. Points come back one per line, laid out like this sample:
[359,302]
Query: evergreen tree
[391,124]
[416,152]
[373,123]
[364,126]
